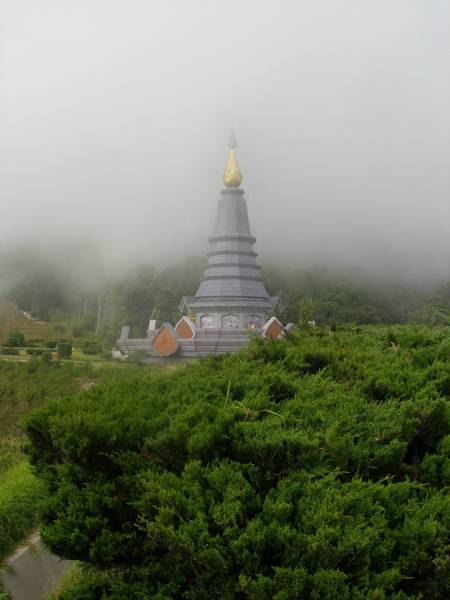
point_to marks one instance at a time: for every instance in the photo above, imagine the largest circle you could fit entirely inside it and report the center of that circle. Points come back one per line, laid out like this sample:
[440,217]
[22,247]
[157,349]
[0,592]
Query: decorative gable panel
[166,342]
[272,329]
[185,328]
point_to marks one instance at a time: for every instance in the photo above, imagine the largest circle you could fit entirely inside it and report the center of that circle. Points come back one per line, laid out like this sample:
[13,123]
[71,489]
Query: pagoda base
[186,342]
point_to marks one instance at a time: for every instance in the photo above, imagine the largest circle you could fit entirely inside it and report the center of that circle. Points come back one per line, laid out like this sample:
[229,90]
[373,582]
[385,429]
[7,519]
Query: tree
[305,312]
[16,339]
[436,312]
[64,349]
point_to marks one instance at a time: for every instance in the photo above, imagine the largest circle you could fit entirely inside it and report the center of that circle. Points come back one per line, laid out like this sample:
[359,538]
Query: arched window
[207,321]
[230,321]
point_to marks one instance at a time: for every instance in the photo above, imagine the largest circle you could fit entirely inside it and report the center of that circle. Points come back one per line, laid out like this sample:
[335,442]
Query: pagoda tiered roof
[232,278]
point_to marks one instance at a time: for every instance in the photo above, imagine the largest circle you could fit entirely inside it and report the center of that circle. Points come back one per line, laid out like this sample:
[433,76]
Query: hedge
[316,467]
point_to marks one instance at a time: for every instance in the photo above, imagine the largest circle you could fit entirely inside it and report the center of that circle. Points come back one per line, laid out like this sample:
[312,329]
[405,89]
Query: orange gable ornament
[185,328]
[165,342]
[273,329]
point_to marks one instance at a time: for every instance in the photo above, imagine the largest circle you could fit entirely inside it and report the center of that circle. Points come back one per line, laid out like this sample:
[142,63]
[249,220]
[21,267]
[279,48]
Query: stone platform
[185,341]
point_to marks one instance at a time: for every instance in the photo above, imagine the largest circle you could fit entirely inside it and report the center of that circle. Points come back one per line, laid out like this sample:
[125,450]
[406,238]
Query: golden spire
[232,176]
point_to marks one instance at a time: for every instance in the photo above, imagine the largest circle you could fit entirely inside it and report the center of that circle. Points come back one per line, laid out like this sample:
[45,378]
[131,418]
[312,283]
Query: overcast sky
[115,117]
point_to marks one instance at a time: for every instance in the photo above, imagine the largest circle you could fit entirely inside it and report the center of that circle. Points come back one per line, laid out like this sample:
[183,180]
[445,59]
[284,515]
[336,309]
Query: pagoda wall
[205,342]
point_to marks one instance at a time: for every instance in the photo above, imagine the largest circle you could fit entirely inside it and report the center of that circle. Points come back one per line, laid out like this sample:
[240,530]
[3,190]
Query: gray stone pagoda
[231,303]
[232,294]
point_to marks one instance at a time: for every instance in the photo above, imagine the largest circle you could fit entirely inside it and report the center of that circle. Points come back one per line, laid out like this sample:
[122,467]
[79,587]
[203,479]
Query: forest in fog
[81,293]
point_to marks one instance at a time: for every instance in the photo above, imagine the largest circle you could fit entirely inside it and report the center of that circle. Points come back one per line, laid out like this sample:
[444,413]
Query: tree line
[101,305]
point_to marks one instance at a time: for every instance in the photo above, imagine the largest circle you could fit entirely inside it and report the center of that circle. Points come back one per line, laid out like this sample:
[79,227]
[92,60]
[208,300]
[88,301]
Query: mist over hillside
[225,299]
[79,287]
[115,119]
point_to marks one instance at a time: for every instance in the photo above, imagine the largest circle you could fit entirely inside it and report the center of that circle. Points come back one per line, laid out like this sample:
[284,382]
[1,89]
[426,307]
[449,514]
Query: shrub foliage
[316,467]
[16,339]
[64,349]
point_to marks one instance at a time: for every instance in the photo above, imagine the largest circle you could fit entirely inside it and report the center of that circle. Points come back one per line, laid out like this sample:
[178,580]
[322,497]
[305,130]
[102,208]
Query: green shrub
[10,351]
[10,453]
[76,583]
[276,473]
[78,330]
[47,358]
[64,350]
[34,351]
[4,595]
[51,344]
[90,347]
[33,365]
[19,494]
[138,356]
[16,339]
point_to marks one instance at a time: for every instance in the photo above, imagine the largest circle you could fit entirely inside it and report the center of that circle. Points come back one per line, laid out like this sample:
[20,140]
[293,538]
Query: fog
[115,117]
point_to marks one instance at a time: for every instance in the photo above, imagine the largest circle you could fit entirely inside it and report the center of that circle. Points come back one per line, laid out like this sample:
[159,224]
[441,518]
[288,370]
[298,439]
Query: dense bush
[138,356]
[24,386]
[34,351]
[313,468]
[10,351]
[64,350]
[51,344]
[90,347]
[16,339]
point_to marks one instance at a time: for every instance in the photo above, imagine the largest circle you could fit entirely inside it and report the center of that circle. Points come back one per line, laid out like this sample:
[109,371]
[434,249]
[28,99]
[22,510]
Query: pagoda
[231,303]
[232,294]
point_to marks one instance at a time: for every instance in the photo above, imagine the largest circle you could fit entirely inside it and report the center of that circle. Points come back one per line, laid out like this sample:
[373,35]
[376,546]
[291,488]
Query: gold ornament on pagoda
[232,176]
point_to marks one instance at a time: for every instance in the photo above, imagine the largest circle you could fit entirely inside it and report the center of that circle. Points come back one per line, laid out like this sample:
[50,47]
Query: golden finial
[232,176]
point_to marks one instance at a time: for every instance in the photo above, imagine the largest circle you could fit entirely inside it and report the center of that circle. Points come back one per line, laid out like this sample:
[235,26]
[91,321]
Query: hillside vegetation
[74,304]
[313,468]
[12,319]
[24,387]
[27,386]
[21,390]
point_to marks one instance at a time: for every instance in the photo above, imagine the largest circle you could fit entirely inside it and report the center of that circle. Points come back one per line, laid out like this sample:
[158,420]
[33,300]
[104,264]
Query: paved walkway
[32,571]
